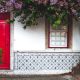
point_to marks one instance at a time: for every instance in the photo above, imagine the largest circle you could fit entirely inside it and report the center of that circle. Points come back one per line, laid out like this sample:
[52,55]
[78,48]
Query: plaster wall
[33,38]
[76,35]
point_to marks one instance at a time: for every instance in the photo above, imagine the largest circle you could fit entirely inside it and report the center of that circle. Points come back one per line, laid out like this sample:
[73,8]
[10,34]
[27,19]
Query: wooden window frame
[69,33]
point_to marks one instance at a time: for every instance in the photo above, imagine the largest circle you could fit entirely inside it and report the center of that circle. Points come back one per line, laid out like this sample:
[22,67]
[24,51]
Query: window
[59,37]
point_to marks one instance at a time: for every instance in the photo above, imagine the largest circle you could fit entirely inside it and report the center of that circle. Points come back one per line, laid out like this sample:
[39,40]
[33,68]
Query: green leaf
[0,56]
[11,21]
[0,51]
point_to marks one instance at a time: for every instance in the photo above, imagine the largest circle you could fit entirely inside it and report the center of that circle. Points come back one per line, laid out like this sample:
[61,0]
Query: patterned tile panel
[45,61]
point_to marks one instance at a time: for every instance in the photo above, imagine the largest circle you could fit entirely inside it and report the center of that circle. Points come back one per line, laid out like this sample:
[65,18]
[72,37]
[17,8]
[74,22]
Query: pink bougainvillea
[54,10]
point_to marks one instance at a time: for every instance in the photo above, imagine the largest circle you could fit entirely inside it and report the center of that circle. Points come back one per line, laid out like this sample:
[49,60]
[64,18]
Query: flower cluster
[55,11]
[9,5]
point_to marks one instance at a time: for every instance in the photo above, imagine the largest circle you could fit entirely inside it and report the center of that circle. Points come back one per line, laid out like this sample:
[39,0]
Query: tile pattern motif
[45,61]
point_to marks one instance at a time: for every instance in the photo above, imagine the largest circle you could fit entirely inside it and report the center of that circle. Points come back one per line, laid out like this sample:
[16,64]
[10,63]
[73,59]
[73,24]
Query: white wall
[76,35]
[33,38]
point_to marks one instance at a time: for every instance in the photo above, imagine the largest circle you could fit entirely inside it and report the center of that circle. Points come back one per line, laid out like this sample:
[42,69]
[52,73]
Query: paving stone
[36,78]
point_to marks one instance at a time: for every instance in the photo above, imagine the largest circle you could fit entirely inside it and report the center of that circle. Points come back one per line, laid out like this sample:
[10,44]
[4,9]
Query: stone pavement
[12,77]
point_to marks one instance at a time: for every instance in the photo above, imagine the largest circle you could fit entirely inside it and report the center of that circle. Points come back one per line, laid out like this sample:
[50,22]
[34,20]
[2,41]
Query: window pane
[58,38]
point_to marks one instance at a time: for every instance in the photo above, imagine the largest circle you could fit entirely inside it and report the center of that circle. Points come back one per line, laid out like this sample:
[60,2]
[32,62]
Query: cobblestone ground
[37,78]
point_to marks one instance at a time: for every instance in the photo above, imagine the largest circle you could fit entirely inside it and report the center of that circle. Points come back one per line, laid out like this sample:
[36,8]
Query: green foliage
[0,55]
[0,51]
[30,16]
[56,11]
[76,69]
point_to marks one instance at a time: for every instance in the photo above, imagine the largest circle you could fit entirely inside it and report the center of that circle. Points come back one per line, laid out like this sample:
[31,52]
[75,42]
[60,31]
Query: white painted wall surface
[76,35]
[33,38]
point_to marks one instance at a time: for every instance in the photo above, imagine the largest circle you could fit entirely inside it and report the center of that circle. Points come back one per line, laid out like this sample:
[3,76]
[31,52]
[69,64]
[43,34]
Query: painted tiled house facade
[38,49]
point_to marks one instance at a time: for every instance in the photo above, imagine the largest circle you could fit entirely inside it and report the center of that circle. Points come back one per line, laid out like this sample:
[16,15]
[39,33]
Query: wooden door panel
[5,44]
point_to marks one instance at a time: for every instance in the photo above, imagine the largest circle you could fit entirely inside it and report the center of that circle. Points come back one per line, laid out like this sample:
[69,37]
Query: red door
[5,44]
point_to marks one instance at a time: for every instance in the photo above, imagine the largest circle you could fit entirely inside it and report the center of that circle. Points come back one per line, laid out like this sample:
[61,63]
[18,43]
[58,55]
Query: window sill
[61,50]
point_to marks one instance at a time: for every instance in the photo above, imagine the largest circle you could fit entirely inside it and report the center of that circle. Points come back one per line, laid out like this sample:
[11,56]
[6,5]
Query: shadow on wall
[76,69]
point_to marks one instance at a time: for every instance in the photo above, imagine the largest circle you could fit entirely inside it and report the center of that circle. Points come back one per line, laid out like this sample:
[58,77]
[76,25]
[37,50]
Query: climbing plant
[76,69]
[0,55]
[55,11]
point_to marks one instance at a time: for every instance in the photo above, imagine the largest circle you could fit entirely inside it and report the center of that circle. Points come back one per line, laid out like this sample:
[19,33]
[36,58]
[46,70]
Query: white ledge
[35,72]
[49,51]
